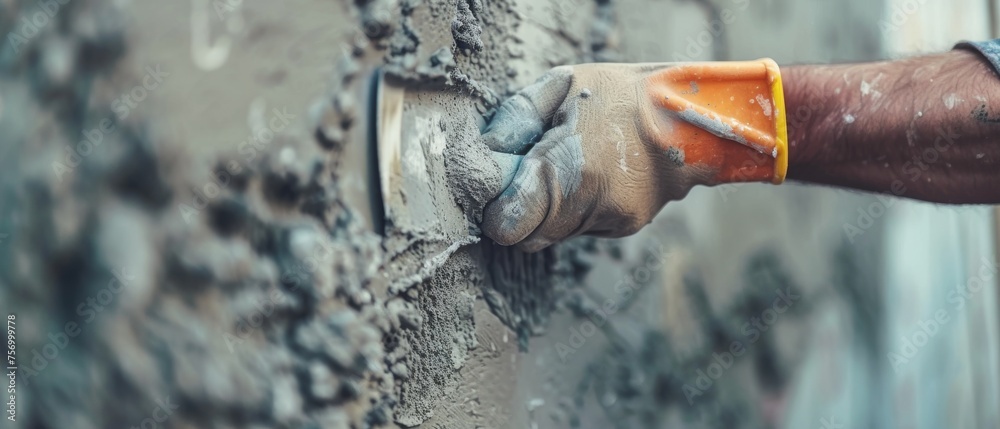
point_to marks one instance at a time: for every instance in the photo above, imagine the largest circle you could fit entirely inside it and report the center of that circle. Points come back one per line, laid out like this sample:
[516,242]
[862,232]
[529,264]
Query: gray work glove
[601,156]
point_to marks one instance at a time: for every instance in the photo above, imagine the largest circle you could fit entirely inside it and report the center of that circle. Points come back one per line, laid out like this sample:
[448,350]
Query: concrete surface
[255,296]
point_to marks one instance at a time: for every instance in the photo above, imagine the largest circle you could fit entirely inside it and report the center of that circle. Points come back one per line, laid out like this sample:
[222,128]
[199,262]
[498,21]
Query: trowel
[380,131]
[398,169]
[387,135]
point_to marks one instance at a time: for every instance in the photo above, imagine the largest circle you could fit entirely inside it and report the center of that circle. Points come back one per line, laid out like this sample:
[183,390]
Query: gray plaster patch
[473,174]
[440,346]
[693,88]
[675,156]
[712,125]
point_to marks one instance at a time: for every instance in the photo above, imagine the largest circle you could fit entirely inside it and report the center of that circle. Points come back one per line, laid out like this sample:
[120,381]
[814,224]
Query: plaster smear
[712,125]
[765,104]
[474,175]
[871,88]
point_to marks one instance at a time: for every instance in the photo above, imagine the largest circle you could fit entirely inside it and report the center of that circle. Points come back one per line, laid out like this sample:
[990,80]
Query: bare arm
[925,128]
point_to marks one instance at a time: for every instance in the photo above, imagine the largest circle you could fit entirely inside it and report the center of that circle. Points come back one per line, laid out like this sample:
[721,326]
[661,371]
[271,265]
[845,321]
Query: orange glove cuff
[727,117]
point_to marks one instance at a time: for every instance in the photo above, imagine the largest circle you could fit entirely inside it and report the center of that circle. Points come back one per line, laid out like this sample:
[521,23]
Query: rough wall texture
[180,195]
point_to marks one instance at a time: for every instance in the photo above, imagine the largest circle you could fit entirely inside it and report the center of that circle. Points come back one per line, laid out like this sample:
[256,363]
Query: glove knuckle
[540,164]
[492,228]
[632,223]
[503,239]
[501,222]
[561,72]
[533,245]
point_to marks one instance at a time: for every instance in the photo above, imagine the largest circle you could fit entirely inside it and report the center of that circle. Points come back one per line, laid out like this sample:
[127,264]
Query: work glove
[599,149]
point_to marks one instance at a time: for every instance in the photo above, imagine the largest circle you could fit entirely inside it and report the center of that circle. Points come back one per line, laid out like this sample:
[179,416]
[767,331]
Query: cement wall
[211,250]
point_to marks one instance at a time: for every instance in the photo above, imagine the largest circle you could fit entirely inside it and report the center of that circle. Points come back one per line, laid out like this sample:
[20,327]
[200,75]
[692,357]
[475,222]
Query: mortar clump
[474,176]
[465,27]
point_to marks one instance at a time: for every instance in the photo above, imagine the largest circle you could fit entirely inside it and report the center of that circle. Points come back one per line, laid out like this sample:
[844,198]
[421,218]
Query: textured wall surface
[183,238]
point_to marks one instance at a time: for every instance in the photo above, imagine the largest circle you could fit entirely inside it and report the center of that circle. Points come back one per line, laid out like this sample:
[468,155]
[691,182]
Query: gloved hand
[616,142]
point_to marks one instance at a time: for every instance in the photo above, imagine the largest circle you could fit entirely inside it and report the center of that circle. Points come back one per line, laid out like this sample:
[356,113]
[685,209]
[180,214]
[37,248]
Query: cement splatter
[871,88]
[765,104]
[951,100]
[676,156]
[713,125]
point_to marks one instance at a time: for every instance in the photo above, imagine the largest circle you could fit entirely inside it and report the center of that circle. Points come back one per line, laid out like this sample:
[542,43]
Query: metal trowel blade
[377,160]
[388,135]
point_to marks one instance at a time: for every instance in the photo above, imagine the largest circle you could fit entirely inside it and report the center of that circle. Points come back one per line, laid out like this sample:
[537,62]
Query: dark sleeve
[990,50]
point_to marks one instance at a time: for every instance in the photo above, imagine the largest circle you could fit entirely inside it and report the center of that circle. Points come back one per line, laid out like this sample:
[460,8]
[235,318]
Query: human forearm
[926,128]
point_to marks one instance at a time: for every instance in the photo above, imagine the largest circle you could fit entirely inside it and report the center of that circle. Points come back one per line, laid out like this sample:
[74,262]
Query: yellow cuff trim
[780,121]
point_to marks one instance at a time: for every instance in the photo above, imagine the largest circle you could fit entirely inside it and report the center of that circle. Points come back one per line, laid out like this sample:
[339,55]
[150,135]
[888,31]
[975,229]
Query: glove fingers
[571,201]
[515,126]
[521,120]
[549,92]
[508,164]
[534,205]
[520,208]
[562,223]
